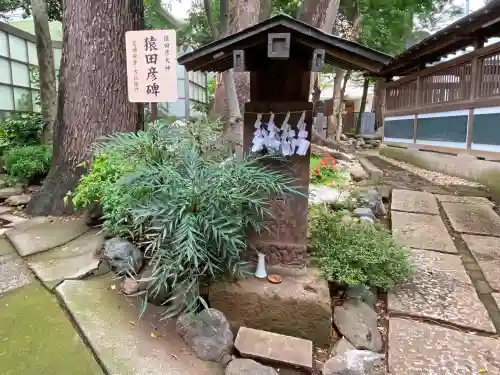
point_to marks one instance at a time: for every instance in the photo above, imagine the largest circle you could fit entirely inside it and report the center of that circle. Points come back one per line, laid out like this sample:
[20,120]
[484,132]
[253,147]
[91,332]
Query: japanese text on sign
[151,69]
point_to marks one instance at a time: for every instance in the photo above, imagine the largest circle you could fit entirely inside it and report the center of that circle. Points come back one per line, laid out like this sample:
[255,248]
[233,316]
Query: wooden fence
[453,106]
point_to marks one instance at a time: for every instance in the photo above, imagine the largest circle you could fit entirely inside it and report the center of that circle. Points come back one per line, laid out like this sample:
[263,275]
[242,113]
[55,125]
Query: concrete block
[300,306]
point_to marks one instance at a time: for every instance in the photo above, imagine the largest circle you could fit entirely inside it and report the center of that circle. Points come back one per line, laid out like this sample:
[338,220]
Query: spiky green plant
[193,221]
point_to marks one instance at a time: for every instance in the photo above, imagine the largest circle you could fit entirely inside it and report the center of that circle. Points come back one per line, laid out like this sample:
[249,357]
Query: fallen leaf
[154,335]
[482,371]
[173,355]
[131,322]
[113,287]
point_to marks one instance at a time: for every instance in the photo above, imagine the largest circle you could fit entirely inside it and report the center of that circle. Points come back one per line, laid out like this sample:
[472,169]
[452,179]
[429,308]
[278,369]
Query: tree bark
[266,8]
[378,102]
[48,93]
[93,97]
[366,84]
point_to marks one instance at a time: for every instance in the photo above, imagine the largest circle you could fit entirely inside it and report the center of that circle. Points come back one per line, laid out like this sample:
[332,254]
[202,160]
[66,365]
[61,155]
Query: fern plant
[167,189]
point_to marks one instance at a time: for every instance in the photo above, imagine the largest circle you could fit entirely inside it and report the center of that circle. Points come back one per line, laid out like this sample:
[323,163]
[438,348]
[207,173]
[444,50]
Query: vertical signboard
[151,66]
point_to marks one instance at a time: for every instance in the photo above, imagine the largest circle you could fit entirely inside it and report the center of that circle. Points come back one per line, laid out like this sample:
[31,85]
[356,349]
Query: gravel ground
[434,177]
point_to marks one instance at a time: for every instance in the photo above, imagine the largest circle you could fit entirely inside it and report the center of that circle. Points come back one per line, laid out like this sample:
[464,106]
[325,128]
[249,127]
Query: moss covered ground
[37,338]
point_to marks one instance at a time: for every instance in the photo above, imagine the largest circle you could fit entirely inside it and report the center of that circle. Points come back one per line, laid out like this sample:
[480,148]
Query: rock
[367,146]
[354,362]
[156,296]
[130,286]
[358,173]
[363,212]
[275,349]
[10,191]
[341,346]
[242,366]
[208,334]
[18,200]
[93,215]
[385,192]
[372,199]
[344,137]
[363,293]
[323,194]
[123,256]
[360,140]
[358,323]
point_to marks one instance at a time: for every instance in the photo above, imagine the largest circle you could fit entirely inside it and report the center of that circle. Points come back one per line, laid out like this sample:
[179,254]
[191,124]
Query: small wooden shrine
[280,55]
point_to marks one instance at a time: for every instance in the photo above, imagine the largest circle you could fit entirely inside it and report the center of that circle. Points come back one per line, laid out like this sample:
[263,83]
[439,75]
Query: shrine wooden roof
[218,56]
[479,25]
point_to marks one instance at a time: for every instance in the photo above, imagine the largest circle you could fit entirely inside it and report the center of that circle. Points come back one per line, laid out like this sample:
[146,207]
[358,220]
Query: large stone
[358,323]
[37,338]
[473,219]
[207,334]
[123,256]
[372,199]
[6,247]
[72,260]
[440,290]
[124,343]
[18,200]
[354,362]
[463,199]
[10,191]
[420,348]
[324,194]
[341,346]
[14,273]
[414,201]
[156,294]
[496,297]
[303,300]
[242,366]
[274,349]
[421,231]
[41,234]
[486,251]
[363,293]
[358,173]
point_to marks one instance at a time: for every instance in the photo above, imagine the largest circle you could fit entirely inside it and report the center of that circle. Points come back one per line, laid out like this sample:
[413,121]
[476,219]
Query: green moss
[491,179]
[36,337]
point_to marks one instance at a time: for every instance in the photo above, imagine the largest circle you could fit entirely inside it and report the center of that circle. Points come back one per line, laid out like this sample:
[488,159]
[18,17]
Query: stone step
[72,260]
[42,234]
[274,349]
[123,343]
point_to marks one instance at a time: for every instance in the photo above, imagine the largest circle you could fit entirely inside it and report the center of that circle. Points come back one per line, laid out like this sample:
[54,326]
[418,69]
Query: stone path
[446,320]
[58,285]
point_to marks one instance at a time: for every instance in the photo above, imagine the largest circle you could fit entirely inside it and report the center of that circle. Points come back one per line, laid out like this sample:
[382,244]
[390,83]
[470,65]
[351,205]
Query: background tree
[92,92]
[47,75]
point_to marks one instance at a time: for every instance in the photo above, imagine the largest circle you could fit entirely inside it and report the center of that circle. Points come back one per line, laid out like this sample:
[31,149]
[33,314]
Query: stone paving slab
[496,297]
[421,231]
[124,344]
[440,289]
[6,247]
[37,338]
[473,219]
[463,199]
[72,260]
[421,348]
[414,201]
[14,273]
[274,349]
[486,250]
[41,234]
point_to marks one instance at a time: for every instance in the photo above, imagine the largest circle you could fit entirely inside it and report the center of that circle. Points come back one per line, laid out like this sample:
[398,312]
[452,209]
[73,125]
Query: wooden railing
[469,81]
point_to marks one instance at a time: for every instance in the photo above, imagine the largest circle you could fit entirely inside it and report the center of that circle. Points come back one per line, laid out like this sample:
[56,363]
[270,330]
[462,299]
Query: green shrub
[167,190]
[21,130]
[28,163]
[353,253]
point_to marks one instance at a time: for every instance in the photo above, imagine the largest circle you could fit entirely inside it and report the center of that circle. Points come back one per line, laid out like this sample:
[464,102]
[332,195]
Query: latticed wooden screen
[489,76]
[447,85]
[401,96]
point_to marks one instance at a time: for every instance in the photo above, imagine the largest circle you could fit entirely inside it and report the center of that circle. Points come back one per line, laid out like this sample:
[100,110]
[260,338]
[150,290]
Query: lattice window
[489,76]
[446,85]
[401,96]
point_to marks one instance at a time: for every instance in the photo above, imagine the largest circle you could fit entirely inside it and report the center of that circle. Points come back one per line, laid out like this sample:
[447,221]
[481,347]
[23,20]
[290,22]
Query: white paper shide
[284,139]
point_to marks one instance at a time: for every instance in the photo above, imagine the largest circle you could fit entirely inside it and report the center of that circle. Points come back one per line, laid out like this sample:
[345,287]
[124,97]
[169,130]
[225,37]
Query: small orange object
[274,279]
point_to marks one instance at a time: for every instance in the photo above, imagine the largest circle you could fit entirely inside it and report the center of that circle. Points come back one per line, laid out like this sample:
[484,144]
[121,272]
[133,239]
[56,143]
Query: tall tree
[92,91]
[45,54]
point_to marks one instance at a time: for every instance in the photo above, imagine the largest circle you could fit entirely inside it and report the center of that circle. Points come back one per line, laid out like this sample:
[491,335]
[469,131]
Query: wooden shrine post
[280,54]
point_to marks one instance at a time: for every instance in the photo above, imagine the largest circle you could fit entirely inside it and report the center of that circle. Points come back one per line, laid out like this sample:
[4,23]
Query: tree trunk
[48,93]
[366,84]
[378,102]
[93,98]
